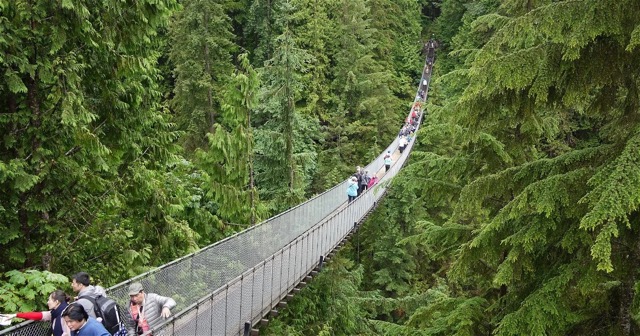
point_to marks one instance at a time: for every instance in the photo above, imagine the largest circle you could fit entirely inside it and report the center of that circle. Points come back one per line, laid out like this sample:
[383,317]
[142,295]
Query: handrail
[221,271]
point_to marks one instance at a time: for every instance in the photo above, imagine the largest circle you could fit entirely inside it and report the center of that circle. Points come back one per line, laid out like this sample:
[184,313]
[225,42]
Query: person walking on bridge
[364,182]
[352,188]
[387,161]
[148,309]
[402,143]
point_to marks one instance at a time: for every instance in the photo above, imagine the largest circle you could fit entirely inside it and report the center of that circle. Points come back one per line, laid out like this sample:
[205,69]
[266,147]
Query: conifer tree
[328,306]
[363,111]
[285,153]
[534,148]
[261,30]
[397,35]
[201,51]
[229,158]
[86,143]
[311,27]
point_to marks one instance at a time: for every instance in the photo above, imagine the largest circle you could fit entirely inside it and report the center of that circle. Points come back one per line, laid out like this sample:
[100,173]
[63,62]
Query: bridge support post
[320,263]
[358,246]
[247,328]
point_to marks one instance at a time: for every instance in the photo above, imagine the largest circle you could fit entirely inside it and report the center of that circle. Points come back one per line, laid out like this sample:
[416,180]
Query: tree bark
[252,195]
[626,295]
[207,66]
[627,292]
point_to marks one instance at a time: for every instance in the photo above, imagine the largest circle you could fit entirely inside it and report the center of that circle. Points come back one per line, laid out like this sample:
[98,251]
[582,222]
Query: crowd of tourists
[359,183]
[362,180]
[91,313]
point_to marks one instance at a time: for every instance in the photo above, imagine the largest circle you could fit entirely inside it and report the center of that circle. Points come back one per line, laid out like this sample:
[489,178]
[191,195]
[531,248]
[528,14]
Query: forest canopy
[135,132]
[518,211]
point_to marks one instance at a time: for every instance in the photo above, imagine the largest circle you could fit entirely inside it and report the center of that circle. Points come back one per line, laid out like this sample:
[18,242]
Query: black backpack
[110,313]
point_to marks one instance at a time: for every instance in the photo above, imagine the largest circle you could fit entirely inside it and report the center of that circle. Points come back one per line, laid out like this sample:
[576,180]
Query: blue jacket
[352,190]
[91,328]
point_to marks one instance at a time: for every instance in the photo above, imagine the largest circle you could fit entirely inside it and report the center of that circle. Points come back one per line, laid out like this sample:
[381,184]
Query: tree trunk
[207,66]
[627,292]
[34,105]
[503,288]
[252,196]
[269,53]
[626,298]
[289,119]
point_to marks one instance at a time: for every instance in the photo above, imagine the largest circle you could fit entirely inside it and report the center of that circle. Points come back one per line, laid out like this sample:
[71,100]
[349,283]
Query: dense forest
[518,211]
[134,132]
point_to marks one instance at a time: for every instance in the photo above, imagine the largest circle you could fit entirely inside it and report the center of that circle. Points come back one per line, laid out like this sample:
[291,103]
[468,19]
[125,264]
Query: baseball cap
[135,288]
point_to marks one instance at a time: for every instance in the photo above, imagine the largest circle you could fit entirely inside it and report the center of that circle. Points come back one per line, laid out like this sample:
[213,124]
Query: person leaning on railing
[148,309]
[58,301]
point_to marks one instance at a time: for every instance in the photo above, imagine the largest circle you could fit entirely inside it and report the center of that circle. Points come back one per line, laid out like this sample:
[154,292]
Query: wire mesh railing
[241,278]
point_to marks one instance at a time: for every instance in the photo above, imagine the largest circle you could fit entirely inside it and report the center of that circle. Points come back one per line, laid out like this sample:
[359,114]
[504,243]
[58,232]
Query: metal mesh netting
[240,279]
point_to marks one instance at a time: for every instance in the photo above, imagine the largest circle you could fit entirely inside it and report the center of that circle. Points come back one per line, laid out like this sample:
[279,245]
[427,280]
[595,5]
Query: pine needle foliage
[285,153]
[525,182]
[228,162]
[309,312]
[87,148]
[202,45]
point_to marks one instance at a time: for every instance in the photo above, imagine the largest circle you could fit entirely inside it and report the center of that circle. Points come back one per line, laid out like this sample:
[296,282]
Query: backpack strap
[96,309]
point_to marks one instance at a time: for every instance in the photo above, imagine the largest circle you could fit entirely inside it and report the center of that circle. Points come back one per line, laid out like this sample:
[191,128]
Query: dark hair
[60,296]
[76,312]
[81,278]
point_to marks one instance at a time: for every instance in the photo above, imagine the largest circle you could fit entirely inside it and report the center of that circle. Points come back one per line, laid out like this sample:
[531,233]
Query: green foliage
[613,197]
[228,160]
[443,314]
[201,48]
[390,266]
[88,150]
[328,306]
[285,155]
[260,30]
[29,290]
[548,303]
[524,186]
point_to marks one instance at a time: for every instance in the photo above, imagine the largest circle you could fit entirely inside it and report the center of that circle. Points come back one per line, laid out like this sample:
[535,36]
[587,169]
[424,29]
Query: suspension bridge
[236,284]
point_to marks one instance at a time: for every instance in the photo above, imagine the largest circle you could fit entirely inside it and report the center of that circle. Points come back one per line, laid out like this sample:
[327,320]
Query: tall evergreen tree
[201,50]
[85,141]
[229,158]
[284,143]
[569,131]
[261,30]
[362,111]
[311,27]
[528,172]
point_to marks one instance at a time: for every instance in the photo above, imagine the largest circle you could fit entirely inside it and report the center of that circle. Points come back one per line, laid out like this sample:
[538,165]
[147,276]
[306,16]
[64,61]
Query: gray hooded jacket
[90,292]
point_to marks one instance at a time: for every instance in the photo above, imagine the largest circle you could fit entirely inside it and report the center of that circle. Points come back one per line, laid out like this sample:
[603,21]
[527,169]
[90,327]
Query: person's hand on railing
[165,312]
[5,319]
